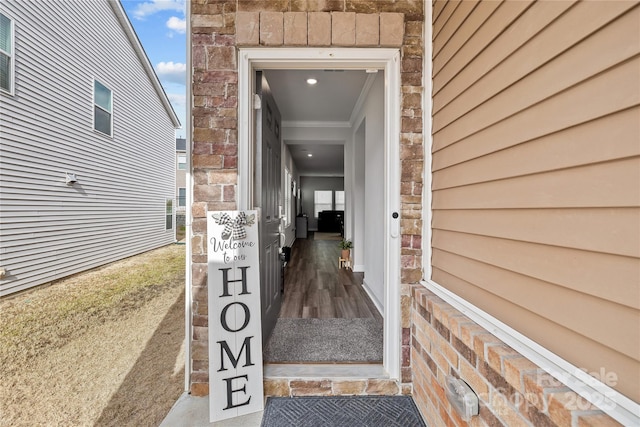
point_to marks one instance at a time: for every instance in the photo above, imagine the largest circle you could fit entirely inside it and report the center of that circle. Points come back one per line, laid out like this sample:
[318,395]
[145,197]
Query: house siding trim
[610,401]
[615,404]
[512,390]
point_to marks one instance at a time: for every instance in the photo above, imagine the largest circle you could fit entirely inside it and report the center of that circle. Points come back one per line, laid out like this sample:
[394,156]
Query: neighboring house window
[182,161]
[287,197]
[182,197]
[169,214]
[102,108]
[6,54]
[322,201]
[339,200]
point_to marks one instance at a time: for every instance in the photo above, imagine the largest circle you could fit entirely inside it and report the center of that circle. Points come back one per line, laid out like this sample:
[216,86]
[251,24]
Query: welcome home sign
[235,331]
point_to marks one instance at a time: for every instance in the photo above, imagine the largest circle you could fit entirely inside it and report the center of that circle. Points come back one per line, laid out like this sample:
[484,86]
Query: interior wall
[287,161]
[373,242]
[309,184]
[359,191]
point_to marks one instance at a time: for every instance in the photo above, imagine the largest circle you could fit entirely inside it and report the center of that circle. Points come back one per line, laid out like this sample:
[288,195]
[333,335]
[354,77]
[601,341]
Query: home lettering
[225,350]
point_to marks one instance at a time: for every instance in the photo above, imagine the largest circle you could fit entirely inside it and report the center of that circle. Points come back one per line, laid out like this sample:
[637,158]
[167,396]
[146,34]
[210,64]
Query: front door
[267,188]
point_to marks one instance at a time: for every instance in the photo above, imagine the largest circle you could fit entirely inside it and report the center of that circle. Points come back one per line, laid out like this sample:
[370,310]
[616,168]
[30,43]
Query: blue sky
[160,25]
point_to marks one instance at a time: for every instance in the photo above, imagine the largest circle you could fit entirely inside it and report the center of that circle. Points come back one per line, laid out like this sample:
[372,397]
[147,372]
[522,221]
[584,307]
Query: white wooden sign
[235,331]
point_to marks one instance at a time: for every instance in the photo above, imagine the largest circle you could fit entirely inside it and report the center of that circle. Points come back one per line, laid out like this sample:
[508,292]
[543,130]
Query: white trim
[343,58]
[245,132]
[610,401]
[187,220]
[366,88]
[427,107]
[392,244]
[625,410]
[314,124]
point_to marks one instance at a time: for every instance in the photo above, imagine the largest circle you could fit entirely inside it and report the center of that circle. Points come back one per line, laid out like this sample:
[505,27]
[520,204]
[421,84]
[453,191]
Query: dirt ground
[102,348]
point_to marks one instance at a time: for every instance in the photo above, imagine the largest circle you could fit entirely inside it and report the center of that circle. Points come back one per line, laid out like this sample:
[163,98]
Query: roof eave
[144,60]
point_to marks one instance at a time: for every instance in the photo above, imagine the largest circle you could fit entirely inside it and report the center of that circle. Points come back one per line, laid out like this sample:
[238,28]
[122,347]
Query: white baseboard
[375,301]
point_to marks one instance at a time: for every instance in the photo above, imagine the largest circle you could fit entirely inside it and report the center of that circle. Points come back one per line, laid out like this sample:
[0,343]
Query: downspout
[188,214]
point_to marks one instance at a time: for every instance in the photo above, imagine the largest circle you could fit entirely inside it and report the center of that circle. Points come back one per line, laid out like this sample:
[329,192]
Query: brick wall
[217,28]
[513,391]
[333,387]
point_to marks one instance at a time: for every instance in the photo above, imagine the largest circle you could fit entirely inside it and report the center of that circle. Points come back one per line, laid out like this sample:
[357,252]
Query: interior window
[339,200]
[322,201]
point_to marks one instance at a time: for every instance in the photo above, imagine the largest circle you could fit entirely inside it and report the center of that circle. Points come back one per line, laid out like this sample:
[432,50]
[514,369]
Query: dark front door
[267,187]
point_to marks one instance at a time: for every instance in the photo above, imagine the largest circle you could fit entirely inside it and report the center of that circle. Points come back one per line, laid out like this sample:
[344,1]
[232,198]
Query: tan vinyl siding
[117,208]
[536,173]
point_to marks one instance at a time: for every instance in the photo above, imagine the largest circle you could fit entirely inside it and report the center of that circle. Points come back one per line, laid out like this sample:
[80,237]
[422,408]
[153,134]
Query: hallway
[314,286]
[326,315]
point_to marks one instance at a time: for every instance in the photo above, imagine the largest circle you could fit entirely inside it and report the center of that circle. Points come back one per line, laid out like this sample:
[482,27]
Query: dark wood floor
[316,288]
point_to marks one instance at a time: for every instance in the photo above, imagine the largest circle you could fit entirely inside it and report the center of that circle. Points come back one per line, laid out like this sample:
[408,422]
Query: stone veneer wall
[513,391]
[287,387]
[218,28]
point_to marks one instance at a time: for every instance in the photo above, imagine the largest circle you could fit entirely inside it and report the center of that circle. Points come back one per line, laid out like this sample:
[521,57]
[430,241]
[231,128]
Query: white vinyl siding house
[117,208]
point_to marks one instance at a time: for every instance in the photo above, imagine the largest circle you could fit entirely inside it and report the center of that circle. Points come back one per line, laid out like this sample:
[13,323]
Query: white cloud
[174,72]
[176,24]
[179,103]
[149,8]
[178,100]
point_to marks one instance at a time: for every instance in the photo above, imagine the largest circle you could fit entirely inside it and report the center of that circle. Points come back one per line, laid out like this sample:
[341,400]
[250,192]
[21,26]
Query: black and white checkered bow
[233,228]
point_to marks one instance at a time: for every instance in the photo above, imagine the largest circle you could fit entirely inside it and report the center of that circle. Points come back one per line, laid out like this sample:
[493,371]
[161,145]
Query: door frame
[250,59]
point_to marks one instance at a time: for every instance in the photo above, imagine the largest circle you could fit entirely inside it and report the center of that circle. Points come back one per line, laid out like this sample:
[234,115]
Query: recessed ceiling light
[309,155]
[312,81]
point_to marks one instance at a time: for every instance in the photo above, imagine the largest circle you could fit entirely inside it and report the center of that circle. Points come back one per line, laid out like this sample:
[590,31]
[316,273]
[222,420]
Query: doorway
[386,60]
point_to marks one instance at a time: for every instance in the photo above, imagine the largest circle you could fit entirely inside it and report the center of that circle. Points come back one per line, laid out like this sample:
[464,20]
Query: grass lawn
[102,347]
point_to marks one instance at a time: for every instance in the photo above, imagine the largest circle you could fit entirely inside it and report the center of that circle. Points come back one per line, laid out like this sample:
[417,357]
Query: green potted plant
[346,246]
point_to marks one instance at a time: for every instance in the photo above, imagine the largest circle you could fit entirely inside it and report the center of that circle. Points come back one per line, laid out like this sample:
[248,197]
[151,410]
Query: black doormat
[342,411]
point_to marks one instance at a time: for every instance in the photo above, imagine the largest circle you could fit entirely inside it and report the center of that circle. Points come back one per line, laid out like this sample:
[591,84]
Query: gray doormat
[343,411]
[325,340]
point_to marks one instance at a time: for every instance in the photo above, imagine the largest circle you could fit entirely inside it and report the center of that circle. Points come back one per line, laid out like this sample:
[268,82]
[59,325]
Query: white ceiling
[326,160]
[332,99]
